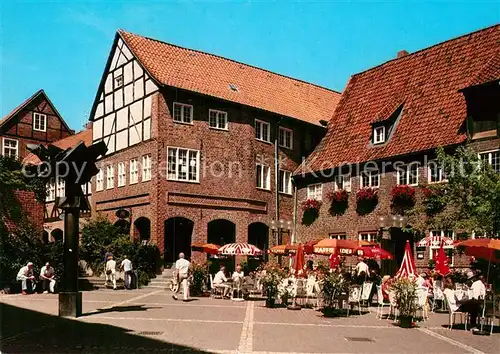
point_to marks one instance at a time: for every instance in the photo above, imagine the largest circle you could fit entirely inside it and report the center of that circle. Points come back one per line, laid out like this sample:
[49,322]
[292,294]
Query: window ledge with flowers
[403,196]
[366,200]
[339,201]
[310,208]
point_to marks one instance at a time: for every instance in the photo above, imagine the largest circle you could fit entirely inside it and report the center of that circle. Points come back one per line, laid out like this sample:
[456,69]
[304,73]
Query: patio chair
[381,303]
[365,293]
[354,298]
[215,291]
[449,297]
[491,313]
[438,296]
[310,289]
[393,306]
[422,302]
[301,291]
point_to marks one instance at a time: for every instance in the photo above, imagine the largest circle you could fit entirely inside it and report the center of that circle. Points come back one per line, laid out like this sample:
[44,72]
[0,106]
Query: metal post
[70,299]
[276,172]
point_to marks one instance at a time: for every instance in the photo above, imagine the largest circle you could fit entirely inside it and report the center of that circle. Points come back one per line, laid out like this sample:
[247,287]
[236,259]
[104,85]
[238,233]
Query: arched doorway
[258,235]
[221,232]
[178,233]
[143,228]
[45,237]
[124,226]
[399,238]
[57,235]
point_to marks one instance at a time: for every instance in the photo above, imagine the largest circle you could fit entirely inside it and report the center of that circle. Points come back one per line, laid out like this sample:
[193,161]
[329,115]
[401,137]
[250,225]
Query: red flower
[338,196]
[366,194]
[403,193]
[311,204]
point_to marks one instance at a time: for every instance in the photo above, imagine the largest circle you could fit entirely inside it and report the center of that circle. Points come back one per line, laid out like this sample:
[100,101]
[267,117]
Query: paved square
[151,321]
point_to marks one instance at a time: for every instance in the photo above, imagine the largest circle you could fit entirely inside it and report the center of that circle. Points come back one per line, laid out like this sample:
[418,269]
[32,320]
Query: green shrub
[199,272]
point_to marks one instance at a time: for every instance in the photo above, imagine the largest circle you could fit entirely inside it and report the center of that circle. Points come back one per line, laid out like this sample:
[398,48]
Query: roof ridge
[427,48]
[232,60]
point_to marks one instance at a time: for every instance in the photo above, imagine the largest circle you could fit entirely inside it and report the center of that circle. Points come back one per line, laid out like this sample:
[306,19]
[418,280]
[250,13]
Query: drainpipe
[277,172]
[294,216]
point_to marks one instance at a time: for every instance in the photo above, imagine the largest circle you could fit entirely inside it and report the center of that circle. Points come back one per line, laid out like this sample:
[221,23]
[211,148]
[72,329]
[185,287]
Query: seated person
[249,284]
[27,279]
[220,281]
[47,278]
[478,288]
[238,274]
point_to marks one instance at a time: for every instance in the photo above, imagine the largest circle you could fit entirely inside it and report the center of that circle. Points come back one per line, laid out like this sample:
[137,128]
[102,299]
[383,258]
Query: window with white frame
[408,174]
[434,248]
[262,131]
[315,191]
[183,113]
[285,182]
[134,171]
[492,158]
[99,180]
[285,138]
[122,179]
[183,164]
[217,119]
[39,122]
[435,172]
[379,135]
[368,236]
[10,148]
[51,191]
[370,178]
[146,168]
[61,188]
[342,182]
[338,236]
[87,189]
[110,177]
[263,177]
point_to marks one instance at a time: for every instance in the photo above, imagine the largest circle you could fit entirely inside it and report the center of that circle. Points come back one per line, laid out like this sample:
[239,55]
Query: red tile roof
[427,82]
[68,142]
[212,75]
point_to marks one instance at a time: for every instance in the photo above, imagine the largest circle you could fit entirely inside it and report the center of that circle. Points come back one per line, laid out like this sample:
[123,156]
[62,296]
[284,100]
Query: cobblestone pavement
[149,321]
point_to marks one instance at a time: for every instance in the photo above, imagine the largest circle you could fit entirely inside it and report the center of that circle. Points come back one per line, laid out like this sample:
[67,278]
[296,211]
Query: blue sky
[63,46]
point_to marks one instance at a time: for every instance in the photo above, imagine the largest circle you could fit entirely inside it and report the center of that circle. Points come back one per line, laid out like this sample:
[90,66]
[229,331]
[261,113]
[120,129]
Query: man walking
[182,267]
[127,272]
[111,271]
[27,278]
[47,277]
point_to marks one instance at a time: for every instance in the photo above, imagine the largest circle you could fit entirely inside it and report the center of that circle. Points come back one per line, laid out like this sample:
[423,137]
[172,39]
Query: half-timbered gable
[35,121]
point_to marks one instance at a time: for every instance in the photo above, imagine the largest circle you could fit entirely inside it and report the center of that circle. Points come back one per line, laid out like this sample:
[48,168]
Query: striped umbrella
[408,265]
[240,249]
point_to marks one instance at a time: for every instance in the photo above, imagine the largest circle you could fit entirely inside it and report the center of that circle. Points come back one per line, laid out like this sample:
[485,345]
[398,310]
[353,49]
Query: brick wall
[29,207]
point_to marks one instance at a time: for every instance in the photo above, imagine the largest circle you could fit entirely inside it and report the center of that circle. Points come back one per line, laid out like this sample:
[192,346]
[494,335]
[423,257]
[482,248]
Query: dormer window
[379,135]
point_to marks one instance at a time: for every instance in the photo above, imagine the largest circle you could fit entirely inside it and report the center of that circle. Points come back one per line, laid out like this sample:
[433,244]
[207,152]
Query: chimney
[87,125]
[402,53]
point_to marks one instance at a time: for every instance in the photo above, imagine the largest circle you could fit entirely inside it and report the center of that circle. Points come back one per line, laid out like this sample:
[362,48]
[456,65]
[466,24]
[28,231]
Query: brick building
[191,144]
[35,121]
[402,110]
[29,207]
[53,225]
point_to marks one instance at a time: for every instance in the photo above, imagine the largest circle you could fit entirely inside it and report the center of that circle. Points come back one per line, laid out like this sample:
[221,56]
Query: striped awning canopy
[435,241]
[240,249]
[407,265]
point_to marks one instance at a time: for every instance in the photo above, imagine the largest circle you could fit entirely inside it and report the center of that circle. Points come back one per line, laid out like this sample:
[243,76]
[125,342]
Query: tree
[469,201]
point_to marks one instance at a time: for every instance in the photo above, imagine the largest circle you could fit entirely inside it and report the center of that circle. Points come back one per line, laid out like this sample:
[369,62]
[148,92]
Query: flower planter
[310,208]
[270,303]
[339,202]
[329,312]
[406,321]
[366,200]
[403,196]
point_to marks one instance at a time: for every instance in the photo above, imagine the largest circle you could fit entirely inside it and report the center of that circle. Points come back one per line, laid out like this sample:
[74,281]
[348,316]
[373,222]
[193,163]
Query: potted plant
[199,273]
[333,286]
[366,200]
[403,196]
[272,276]
[339,201]
[405,291]
[310,208]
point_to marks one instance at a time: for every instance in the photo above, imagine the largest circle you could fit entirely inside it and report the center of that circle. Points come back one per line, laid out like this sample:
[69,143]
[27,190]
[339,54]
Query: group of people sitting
[29,282]
[237,280]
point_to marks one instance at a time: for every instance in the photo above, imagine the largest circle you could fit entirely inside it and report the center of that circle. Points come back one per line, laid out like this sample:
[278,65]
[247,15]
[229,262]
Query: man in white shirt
[111,271]
[182,267]
[362,267]
[478,288]
[27,279]
[220,281]
[127,272]
[47,277]
[238,274]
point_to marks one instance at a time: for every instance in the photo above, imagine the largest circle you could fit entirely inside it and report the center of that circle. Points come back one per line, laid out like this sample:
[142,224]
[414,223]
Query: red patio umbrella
[209,248]
[329,246]
[408,265]
[442,262]
[375,252]
[309,246]
[283,249]
[300,262]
